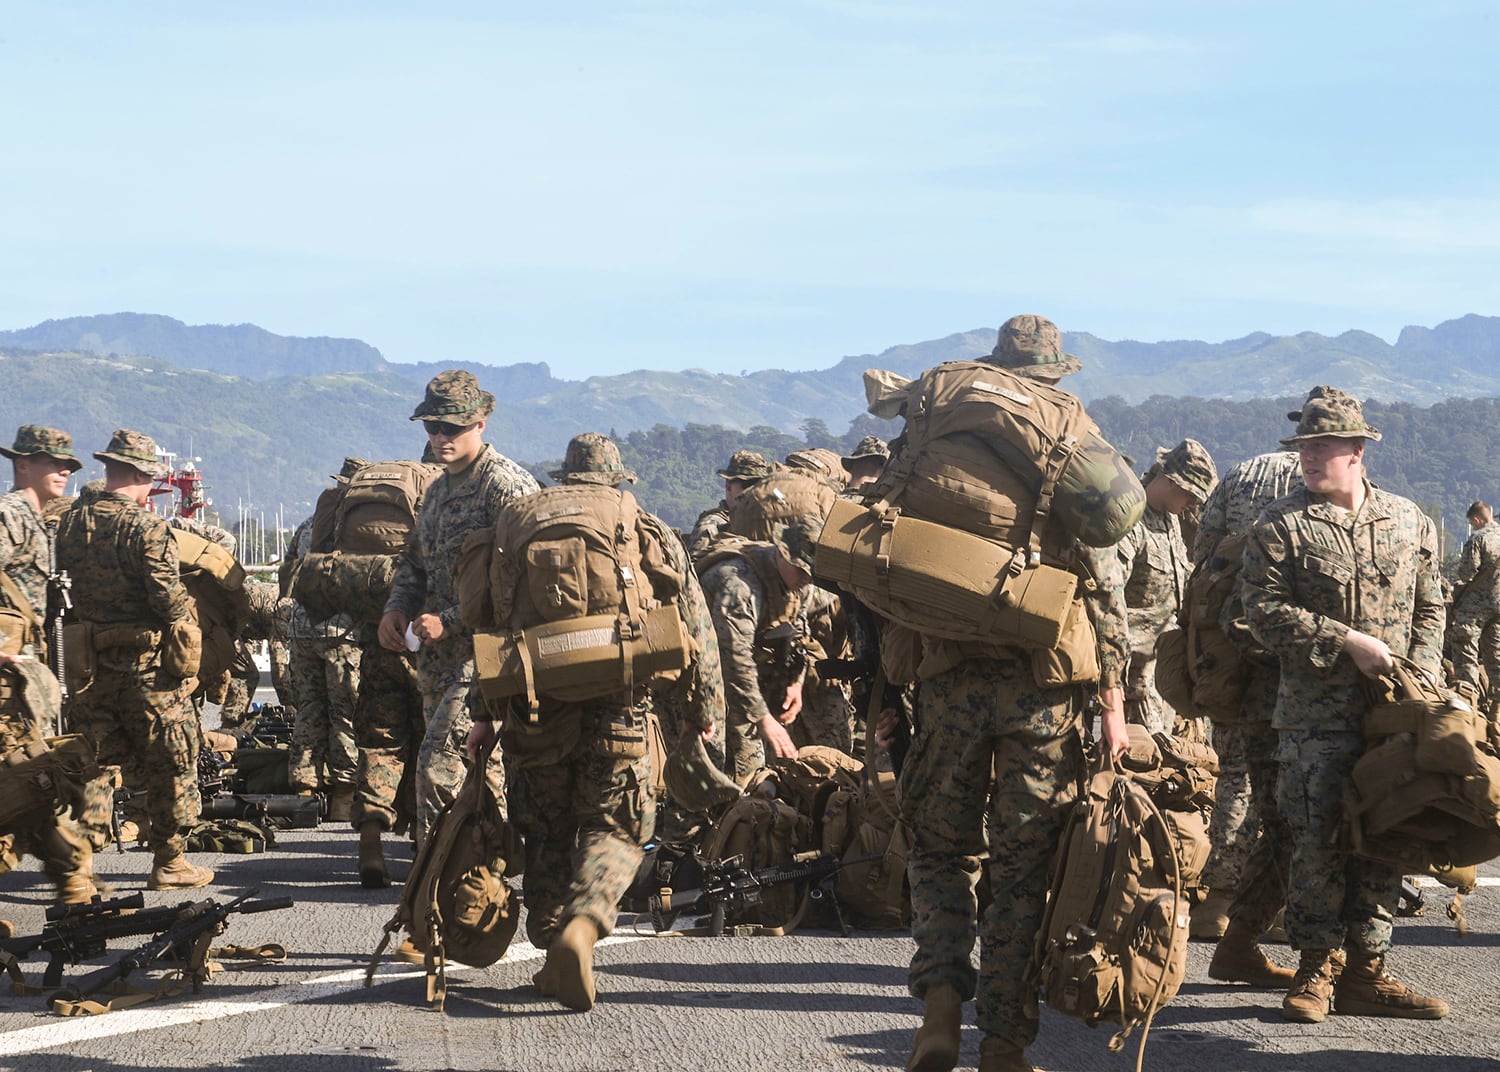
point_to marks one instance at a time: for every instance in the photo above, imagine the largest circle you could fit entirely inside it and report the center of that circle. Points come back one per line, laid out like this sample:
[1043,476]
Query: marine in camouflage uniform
[1338,576]
[581,785]
[865,464]
[1247,869]
[1156,565]
[1475,640]
[44,460]
[746,468]
[994,766]
[478,483]
[138,714]
[754,598]
[244,679]
[325,684]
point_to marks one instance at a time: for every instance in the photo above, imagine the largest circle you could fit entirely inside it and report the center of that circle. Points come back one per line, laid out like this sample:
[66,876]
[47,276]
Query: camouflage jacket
[123,562]
[1155,563]
[699,693]
[25,551]
[745,600]
[1246,490]
[1481,559]
[424,581]
[1312,571]
[706,530]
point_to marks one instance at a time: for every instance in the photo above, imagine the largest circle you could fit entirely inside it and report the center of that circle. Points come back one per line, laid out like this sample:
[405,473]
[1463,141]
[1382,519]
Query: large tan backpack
[777,499]
[218,602]
[583,597]
[379,505]
[1204,673]
[966,534]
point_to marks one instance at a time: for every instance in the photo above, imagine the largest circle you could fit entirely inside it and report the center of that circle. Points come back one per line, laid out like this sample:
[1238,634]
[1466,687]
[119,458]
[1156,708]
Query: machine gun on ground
[731,889]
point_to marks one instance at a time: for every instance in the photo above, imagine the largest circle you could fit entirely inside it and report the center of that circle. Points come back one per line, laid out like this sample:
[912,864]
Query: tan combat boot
[1209,918]
[998,1054]
[1238,958]
[340,803]
[1311,996]
[936,1046]
[372,872]
[176,873]
[1365,988]
[570,962]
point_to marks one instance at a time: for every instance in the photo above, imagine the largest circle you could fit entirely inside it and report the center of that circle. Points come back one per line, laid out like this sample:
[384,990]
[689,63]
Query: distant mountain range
[275,414]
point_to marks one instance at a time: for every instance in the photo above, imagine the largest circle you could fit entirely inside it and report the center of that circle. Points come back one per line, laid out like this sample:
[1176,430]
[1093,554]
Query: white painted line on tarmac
[72,1031]
[1483,880]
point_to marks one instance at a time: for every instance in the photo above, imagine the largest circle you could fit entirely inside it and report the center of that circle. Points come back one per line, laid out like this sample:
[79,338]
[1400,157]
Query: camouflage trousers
[826,717]
[995,762]
[581,799]
[440,759]
[56,840]
[144,722]
[244,679]
[1234,827]
[1334,898]
[388,729]
[1475,641]
[1143,704]
[281,672]
[1261,890]
[325,677]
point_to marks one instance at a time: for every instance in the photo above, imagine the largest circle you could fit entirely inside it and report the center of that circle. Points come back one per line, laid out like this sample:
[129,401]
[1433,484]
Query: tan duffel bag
[579,658]
[942,581]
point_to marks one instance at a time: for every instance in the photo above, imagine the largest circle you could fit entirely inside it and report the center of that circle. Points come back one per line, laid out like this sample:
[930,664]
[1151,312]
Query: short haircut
[1478,508]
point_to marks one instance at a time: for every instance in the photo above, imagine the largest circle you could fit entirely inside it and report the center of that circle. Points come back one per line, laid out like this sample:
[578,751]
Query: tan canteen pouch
[579,658]
[942,581]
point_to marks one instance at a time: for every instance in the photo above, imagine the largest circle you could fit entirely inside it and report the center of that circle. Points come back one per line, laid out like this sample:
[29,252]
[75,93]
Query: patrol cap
[455,397]
[746,466]
[797,539]
[592,458]
[133,448]
[1032,346]
[1190,467]
[1329,412]
[871,446]
[39,439]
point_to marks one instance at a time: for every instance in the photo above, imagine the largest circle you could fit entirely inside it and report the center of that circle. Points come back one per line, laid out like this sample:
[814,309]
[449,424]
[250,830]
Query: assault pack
[44,777]
[584,595]
[358,529]
[1113,942]
[777,499]
[1199,669]
[966,534]
[217,602]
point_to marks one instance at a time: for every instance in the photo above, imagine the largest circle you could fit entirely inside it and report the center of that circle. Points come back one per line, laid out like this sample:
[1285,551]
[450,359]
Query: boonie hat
[871,446]
[39,439]
[133,448]
[1032,346]
[1329,412]
[746,466]
[592,458]
[1190,467]
[456,397]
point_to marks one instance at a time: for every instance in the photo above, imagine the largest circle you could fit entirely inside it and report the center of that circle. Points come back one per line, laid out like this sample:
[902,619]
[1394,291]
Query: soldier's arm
[1213,525]
[1429,614]
[700,689]
[165,592]
[1268,589]
[735,609]
[1468,561]
[1104,600]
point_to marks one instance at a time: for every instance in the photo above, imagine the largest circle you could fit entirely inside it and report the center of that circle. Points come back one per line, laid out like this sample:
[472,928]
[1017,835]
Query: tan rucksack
[1113,942]
[1179,775]
[777,499]
[585,598]
[44,777]
[218,602]
[967,533]
[379,505]
[456,904]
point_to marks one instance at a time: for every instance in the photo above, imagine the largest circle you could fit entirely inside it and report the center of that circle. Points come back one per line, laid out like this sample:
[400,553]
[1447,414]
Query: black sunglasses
[444,428]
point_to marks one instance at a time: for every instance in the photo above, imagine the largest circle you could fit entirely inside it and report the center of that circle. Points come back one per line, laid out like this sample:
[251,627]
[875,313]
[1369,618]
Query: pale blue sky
[607,186]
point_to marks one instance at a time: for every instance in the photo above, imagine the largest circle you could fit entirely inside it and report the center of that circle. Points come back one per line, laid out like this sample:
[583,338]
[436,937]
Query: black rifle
[729,887]
[59,603]
[185,938]
[1411,902]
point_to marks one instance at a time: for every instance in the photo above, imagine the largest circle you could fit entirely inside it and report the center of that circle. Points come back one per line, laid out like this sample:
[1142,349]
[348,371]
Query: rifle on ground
[185,938]
[730,887]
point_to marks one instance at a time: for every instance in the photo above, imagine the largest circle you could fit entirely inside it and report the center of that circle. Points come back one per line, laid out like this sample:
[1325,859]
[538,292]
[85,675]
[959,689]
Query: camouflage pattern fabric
[827,715]
[123,562]
[709,526]
[56,840]
[325,682]
[697,700]
[424,584]
[1476,614]
[1234,824]
[243,680]
[1261,882]
[994,764]
[301,625]
[1155,561]
[388,731]
[1246,490]
[582,810]
[1311,572]
[25,551]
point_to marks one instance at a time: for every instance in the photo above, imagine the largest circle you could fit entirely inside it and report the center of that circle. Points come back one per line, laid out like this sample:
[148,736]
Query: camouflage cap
[1329,412]
[39,439]
[746,466]
[798,539]
[351,466]
[1190,467]
[1032,346]
[871,446]
[133,448]
[592,458]
[456,397]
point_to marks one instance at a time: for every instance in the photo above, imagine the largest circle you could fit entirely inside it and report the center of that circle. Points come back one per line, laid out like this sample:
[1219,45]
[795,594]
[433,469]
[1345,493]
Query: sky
[737,186]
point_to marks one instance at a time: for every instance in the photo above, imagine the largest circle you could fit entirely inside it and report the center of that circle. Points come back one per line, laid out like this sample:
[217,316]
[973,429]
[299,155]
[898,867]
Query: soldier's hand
[428,627]
[481,735]
[1112,722]
[792,706]
[392,632]
[885,727]
[1369,653]
[777,739]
